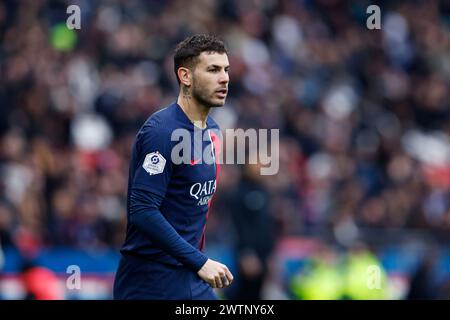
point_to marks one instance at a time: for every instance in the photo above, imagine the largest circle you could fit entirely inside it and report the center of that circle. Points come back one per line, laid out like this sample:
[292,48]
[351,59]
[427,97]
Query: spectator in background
[321,278]
[423,283]
[6,221]
[364,276]
[2,256]
[40,283]
[255,232]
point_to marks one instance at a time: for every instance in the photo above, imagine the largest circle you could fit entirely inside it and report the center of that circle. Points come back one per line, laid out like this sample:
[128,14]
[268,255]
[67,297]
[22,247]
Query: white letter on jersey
[195,192]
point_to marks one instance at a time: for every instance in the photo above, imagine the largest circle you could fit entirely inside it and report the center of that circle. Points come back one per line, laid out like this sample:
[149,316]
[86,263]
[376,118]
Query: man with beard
[168,199]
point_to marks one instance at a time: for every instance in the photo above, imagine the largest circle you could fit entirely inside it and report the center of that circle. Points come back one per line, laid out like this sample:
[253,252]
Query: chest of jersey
[196,180]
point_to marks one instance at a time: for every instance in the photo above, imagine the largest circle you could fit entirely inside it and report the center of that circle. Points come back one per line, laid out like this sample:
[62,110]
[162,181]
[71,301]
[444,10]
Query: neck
[195,111]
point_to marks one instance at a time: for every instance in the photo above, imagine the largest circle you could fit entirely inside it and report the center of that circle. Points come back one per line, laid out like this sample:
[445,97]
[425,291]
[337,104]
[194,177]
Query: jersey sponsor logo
[203,192]
[154,163]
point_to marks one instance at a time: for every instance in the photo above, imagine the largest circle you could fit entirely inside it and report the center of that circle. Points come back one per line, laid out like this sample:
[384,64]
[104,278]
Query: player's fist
[216,274]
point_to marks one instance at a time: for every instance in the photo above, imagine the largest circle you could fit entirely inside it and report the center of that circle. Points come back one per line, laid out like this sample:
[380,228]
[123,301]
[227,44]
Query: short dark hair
[189,49]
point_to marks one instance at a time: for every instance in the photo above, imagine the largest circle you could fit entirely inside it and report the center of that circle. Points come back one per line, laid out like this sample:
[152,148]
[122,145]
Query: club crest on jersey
[154,163]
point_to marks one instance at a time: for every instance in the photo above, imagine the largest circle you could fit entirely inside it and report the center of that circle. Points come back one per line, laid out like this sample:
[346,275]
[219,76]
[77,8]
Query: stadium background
[364,122]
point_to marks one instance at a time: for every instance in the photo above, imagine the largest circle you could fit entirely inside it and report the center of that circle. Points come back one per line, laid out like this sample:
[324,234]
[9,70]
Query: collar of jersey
[184,118]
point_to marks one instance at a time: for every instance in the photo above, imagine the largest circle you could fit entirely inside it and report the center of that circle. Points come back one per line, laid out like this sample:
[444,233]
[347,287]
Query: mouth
[222,93]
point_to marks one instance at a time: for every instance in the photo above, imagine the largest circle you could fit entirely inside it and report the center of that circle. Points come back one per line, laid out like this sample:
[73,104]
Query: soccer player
[167,203]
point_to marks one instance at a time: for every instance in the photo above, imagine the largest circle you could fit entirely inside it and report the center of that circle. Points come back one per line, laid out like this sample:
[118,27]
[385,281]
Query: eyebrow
[218,66]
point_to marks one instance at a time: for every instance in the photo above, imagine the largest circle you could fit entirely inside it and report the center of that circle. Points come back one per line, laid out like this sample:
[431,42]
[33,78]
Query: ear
[184,74]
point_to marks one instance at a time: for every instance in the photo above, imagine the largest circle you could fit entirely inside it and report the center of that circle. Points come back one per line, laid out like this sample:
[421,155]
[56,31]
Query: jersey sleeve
[149,187]
[155,166]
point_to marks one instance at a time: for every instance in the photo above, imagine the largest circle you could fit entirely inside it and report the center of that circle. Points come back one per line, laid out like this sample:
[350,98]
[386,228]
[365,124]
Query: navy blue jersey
[168,201]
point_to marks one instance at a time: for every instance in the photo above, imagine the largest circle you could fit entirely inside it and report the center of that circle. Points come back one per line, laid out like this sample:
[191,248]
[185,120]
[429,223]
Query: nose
[224,77]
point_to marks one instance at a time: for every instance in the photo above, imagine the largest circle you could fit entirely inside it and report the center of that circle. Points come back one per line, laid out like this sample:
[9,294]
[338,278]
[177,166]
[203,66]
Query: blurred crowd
[364,118]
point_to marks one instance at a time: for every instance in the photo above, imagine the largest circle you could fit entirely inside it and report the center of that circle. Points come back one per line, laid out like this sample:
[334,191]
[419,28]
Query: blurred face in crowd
[210,79]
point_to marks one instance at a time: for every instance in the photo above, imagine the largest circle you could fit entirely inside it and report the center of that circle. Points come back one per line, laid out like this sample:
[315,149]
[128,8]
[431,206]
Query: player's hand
[216,274]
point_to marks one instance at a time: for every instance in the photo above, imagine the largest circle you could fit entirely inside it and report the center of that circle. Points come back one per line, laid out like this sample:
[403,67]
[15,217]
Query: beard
[199,93]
